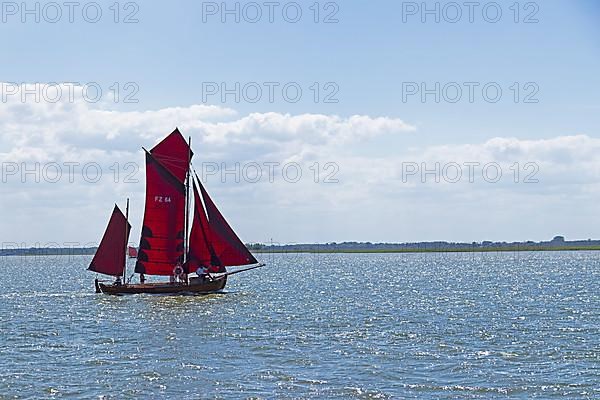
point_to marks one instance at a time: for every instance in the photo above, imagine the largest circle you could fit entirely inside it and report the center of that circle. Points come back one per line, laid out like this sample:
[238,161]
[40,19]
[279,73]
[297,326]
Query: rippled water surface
[312,326]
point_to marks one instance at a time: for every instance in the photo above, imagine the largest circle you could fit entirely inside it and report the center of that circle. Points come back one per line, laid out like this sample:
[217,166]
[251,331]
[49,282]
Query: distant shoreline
[322,249]
[460,250]
[558,243]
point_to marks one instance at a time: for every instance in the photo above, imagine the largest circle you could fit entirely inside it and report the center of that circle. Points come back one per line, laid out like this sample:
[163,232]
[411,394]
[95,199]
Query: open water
[345,326]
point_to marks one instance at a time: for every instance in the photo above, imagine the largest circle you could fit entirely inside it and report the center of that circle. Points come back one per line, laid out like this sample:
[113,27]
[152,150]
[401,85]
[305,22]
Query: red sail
[174,154]
[110,256]
[201,251]
[162,242]
[228,246]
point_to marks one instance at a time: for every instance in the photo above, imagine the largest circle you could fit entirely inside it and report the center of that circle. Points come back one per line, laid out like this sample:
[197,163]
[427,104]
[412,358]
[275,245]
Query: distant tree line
[558,243]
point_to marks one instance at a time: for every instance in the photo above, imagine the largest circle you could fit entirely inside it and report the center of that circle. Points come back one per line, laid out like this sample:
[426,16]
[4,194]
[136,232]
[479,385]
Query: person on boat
[142,279]
[202,272]
[117,281]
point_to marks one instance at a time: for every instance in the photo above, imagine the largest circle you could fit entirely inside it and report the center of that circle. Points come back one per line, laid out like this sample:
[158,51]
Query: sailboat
[193,254]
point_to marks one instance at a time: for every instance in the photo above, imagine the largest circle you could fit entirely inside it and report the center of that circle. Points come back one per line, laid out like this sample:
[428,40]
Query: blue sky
[370,55]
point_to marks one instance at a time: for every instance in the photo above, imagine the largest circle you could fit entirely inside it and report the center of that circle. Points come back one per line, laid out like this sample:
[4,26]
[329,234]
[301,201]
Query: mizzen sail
[110,256]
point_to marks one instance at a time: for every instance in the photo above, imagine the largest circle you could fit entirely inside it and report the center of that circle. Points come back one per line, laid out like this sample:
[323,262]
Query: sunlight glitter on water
[312,326]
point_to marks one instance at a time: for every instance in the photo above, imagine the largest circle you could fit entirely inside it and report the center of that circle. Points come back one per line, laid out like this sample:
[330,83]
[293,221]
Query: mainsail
[174,154]
[227,245]
[110,256]
[163,231]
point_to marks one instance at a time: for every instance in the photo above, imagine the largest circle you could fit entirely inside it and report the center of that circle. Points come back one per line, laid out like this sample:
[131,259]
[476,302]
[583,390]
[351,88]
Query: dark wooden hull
[164,288]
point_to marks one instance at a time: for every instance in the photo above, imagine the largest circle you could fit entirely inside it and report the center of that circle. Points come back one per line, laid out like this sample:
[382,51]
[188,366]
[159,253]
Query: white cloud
[35,135]
[373,199]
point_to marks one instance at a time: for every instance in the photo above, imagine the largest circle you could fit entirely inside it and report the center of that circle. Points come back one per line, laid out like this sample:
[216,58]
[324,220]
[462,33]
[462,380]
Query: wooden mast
[187,203]
[126,241]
